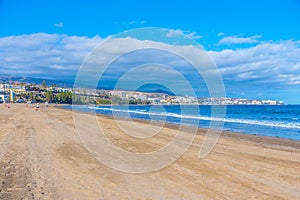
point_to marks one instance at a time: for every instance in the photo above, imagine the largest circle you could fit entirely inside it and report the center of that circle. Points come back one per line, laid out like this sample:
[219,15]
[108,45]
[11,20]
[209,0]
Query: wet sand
[42,157]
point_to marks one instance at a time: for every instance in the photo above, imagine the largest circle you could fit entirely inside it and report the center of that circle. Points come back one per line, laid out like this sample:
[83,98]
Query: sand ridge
[42,157]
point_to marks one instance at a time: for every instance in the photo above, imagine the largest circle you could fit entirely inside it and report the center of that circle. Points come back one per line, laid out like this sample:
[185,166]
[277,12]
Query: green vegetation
[103,101]
[49,96]
[64,97]
[31,96]
[118,100]
[135,101]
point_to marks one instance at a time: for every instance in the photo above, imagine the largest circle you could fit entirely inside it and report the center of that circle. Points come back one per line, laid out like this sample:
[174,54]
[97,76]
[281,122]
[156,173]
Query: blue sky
[255,44]
[274,20]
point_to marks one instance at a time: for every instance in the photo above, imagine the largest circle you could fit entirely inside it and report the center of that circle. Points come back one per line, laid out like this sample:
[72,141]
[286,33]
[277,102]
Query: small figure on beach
[37,107]
[46,105]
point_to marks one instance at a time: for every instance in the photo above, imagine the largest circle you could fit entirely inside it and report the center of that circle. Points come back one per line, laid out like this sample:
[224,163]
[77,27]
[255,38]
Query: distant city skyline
[255,45]
[19,92]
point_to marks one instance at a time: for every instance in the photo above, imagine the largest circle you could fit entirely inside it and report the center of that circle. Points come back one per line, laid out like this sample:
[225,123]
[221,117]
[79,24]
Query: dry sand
[43,158]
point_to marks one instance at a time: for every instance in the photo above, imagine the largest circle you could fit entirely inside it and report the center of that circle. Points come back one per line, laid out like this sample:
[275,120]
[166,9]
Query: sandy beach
[42,157]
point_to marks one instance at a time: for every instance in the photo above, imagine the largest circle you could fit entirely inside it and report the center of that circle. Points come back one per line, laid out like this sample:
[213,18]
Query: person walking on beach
[37,107]
[46,105]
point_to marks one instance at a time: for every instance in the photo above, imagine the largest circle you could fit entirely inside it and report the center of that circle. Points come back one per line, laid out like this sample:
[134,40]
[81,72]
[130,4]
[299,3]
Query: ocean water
[277,121]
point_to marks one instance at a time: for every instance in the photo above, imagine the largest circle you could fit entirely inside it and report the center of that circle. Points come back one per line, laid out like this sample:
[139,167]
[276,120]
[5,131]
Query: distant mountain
[38,81]
[155,88]
[151,88]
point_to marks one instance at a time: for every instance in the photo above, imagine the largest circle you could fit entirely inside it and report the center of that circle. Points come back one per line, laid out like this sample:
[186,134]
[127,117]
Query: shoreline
[257,139]
[44,157]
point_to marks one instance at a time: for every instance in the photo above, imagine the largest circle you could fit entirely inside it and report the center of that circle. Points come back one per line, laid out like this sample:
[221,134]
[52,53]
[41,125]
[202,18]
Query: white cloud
[221,34]
[177,33]
[239,40]
[40,53]
[149,52]
[174,33]
[266,63]
[193,35]
[60,24]
[59,56]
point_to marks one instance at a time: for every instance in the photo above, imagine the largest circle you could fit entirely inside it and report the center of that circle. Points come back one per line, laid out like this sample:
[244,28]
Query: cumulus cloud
[264,65]
[268,63]
[48,55]
[59,25]
[193,35]
[177,33]
[239,40]
[174,33]
[147,51]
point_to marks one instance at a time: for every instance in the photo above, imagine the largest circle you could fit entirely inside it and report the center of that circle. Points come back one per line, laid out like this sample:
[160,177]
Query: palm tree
[31,96]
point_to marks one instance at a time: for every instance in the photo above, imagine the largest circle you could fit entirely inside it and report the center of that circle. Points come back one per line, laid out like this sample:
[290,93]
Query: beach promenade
[41,157]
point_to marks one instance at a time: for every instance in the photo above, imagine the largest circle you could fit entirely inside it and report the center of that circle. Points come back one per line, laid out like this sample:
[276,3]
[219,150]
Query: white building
[142,97]
[4,97]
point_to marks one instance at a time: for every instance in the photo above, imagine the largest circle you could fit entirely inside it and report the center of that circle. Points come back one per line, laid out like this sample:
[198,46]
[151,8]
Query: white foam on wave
[278,124]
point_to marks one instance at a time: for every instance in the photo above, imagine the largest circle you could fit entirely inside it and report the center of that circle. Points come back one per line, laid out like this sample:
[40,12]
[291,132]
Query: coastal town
[19,92]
